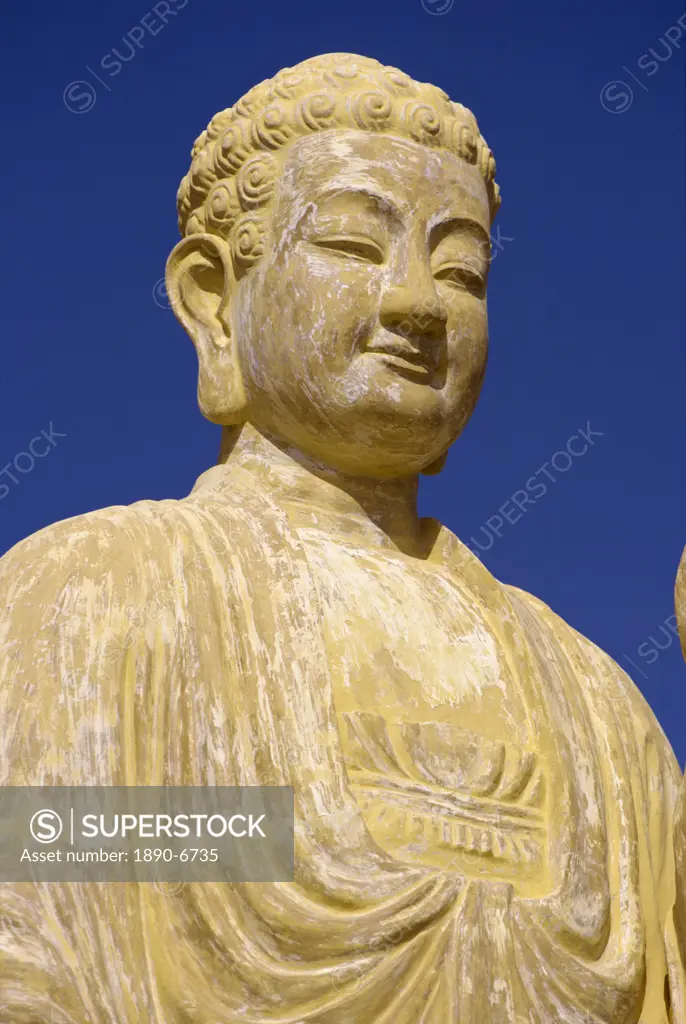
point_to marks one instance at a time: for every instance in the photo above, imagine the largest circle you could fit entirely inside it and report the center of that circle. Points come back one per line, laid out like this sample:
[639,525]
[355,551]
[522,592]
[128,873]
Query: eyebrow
[384,203]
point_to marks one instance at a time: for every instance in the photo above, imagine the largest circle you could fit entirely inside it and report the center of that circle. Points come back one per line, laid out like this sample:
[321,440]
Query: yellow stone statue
[484,801]
[680,824]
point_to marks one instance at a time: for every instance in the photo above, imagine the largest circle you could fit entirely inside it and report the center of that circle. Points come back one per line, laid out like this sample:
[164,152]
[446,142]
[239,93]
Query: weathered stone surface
[484,800]
[680,819]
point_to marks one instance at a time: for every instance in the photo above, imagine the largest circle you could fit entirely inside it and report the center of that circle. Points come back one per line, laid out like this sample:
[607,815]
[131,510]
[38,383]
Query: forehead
[420,182]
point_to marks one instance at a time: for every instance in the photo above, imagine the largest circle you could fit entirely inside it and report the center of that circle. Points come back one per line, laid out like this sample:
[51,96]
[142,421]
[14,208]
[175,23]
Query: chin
[390,466]
[380,435]
[419,422]
[383,452]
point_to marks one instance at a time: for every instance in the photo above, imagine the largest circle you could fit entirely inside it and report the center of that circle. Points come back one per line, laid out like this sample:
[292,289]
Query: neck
[387,508]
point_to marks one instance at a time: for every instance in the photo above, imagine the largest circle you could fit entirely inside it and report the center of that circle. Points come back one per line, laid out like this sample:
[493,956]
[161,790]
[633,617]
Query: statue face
[362,332]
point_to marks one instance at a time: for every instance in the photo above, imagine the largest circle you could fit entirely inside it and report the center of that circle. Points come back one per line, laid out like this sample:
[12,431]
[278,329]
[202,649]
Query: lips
[405,356]
[410,363]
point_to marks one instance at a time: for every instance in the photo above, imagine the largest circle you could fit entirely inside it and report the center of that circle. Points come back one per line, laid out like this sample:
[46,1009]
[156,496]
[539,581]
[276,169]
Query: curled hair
[235,169]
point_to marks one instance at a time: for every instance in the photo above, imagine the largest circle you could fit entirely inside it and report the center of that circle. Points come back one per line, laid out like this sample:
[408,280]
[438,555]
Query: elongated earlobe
[201,285]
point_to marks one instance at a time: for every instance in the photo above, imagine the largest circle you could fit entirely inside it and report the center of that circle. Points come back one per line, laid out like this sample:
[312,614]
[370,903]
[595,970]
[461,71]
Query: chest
[433,716]
[405,640]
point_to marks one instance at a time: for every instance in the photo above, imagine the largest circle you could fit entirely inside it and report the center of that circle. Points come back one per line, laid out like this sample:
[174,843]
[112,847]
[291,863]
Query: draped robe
[680,817]
[532,905]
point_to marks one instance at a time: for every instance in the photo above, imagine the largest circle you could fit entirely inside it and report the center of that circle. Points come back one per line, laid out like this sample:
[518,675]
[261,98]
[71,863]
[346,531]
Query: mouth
[407,362]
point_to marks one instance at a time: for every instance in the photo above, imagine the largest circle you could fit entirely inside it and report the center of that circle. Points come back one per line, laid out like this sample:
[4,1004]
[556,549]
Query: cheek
[317,305]
[299,321]
[330,282]
[467,335]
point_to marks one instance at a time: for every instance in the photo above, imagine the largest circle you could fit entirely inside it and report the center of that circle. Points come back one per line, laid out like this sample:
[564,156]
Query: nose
[412,308]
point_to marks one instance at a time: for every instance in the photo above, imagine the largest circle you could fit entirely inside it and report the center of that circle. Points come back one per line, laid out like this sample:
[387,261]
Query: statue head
[333,269]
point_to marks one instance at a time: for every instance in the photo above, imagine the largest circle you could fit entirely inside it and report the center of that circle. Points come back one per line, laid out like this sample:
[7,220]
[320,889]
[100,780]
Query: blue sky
[586,300]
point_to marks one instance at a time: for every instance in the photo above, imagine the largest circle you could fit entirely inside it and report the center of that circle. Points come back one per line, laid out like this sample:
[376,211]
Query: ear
[200,285]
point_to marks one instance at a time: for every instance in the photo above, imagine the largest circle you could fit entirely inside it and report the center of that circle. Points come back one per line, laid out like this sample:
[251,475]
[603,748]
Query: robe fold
[680,816]
[183,643]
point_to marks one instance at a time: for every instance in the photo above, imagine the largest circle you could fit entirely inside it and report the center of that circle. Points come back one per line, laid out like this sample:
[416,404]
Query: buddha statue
[680,816]
[483,800]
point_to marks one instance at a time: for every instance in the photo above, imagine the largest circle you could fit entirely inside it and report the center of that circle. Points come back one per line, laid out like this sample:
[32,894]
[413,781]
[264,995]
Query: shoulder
[104,541]
[103,571]
[600,674]
[113,541]
[609,690]
[62,585]
[571,640]
[84,603]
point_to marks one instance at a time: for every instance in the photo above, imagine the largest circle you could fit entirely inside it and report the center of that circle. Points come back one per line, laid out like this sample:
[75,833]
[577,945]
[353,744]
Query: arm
[68,952]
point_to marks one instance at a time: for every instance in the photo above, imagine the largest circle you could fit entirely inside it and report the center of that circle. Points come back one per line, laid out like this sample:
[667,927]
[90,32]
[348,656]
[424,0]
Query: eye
[460,276]
[353,247]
